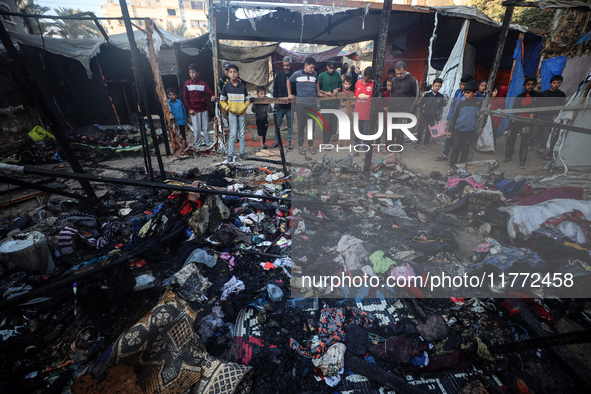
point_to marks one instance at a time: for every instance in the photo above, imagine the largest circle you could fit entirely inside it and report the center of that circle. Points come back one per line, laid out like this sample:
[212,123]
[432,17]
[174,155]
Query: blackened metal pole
[47,108]
[493,72]
[139,82]
[378,68]
[14,169]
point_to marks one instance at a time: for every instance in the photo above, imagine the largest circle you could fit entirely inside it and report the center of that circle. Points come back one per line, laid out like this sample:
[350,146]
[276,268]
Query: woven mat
[169,357]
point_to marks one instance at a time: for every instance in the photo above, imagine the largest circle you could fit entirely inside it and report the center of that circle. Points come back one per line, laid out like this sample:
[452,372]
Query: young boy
[178,110]
[260,111]
[363,95]
[234,99]
[457,99]
[527,99]
[553,97]
[463,124]
[391,74]
[307,90]
[196,91]
[430,109]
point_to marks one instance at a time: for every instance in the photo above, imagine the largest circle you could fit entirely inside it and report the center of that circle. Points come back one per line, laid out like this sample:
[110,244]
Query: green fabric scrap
[380,263]
[39,134]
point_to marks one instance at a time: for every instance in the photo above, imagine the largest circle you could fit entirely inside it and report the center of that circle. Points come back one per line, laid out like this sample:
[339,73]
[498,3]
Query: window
[171,11]
[194,24]
[140,23]
[120,22]
[203,24]
[197,5]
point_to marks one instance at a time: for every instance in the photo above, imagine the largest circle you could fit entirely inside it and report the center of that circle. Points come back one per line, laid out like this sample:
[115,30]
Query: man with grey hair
[404,95]
[282,110]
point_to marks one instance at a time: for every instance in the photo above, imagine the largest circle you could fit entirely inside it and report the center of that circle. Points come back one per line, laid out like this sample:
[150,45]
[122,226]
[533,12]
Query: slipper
[312,150]
[440,158]
[302,151]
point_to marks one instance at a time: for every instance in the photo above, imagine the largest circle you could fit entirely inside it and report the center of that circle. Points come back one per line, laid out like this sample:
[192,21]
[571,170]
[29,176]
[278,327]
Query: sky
[83,5]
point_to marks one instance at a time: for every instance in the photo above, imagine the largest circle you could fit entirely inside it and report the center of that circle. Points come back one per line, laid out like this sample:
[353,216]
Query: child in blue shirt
[178,110]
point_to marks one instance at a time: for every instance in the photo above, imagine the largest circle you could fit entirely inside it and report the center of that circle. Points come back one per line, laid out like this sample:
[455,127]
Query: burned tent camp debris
[306,274]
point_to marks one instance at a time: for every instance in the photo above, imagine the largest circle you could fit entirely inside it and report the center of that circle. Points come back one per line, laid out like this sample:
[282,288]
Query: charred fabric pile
[174,291]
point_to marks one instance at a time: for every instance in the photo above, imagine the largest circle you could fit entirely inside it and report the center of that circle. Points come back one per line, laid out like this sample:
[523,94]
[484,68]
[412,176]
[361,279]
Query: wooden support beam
[177,141]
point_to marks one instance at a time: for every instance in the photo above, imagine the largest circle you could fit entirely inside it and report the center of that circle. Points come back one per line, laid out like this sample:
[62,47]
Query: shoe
[264,147]
[228,160]
[416,147]
[243,156]
[507,161]
[522,165]
[274,145]
[302,150]
[441,158]
[424,150]
[334,137]
[312,150]
[289,147]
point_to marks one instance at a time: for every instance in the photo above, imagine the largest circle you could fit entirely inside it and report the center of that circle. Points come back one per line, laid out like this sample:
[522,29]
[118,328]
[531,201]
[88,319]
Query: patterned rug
[168,356]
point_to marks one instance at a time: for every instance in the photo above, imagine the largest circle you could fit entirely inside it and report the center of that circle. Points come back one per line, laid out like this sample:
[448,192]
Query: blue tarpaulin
[531,58]
[551,67]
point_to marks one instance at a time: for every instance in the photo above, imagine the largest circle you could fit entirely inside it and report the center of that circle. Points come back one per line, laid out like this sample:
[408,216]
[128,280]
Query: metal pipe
[128,182]
[380,52]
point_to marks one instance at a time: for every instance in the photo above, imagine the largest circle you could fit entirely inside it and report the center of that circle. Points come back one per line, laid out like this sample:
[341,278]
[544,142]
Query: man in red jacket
[194,96]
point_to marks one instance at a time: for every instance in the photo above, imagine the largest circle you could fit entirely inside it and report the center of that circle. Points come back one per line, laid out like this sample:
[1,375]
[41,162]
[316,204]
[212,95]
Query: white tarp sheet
[573,147]
[453,69]
[526,219]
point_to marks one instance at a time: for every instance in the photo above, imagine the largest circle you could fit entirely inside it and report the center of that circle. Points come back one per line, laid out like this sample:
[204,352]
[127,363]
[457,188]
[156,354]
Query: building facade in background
[190,14]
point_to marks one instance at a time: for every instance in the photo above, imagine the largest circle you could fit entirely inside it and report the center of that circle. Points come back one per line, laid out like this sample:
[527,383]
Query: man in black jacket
[404,95]
[282,110]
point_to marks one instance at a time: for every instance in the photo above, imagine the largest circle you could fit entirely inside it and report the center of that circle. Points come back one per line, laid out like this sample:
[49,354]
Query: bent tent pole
[43,188]
[11,168]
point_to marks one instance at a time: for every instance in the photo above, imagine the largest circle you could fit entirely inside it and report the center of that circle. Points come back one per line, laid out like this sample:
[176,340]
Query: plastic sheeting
[453,69]
[572,148]
[486,142]
[83,50]
[551,67]
[526,219]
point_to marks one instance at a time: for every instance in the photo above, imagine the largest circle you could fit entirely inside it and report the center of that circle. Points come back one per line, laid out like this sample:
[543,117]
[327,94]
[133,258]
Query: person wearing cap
[463,124]
[329,83]
[224,77]
[282,110]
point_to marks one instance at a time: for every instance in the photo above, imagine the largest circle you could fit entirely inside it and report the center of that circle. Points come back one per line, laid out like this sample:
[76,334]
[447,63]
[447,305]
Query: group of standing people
[401,94]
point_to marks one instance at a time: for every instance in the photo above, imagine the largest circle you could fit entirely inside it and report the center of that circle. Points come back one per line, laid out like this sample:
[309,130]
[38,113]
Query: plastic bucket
[27,251]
